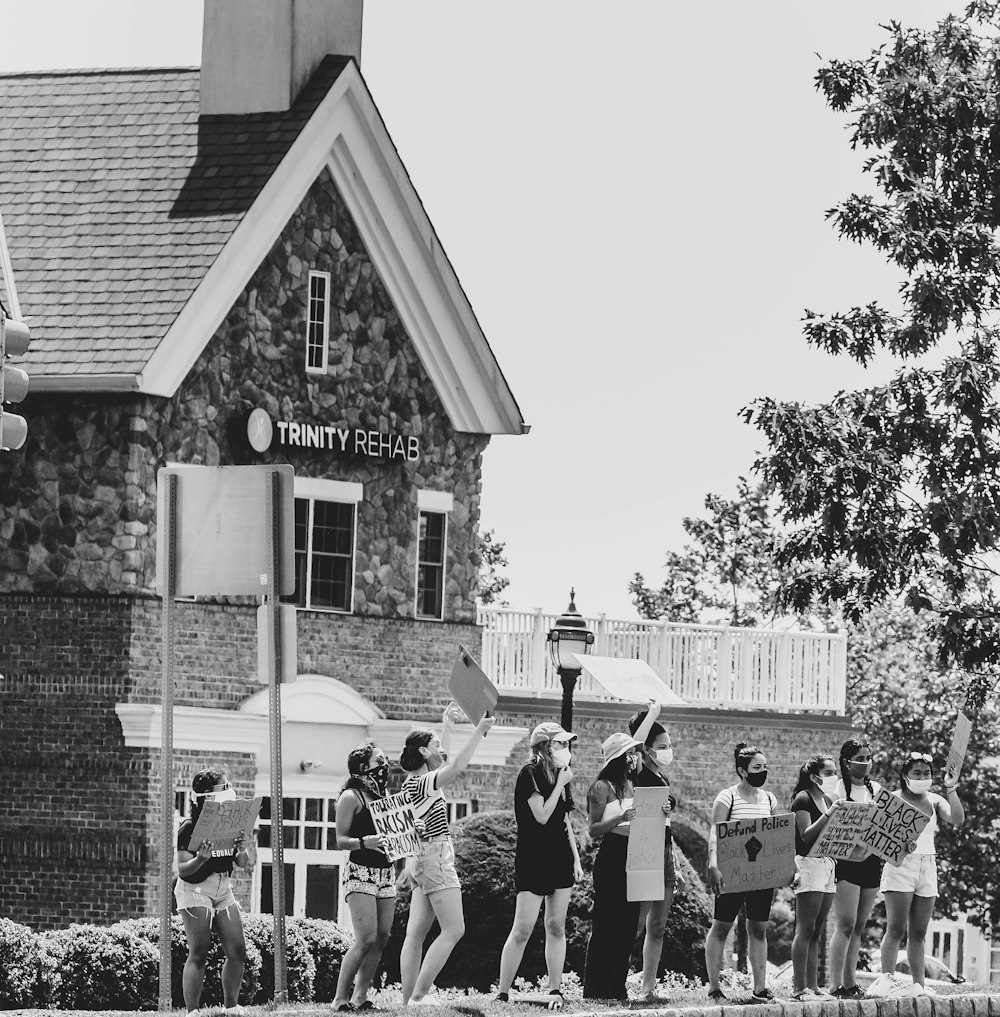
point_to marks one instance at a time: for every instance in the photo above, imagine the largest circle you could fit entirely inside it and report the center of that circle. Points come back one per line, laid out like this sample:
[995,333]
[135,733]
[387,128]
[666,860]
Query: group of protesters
[547,865]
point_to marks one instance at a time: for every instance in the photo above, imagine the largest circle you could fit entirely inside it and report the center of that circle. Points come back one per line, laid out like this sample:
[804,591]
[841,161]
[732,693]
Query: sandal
[718,996]
[366,1004]
[805,996]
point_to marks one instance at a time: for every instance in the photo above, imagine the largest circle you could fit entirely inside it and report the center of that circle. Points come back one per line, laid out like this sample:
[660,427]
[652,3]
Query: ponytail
[411,758]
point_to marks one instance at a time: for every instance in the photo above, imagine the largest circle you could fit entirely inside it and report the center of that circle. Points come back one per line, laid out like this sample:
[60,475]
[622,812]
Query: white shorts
[816,875]
[916,875]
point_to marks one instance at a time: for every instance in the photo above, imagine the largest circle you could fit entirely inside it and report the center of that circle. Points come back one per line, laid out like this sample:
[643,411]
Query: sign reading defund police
[756,854]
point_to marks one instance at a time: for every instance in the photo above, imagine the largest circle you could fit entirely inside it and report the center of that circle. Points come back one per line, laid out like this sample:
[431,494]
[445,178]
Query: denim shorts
[434,868]
[916,874]
[215,892]
[815,874]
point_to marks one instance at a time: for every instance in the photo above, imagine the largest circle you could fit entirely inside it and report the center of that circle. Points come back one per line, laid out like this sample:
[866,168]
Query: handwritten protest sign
[843,831]
[892,827]
[394,822]
[471,689]
[644,861]
[220,822]
[959,746]
[634,681]
[756,854]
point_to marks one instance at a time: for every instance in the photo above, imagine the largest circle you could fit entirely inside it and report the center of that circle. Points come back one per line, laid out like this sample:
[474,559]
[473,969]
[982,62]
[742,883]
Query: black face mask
[757,779]
[377,777]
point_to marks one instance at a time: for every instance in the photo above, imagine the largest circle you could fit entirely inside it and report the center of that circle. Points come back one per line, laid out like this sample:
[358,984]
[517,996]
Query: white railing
[706,665]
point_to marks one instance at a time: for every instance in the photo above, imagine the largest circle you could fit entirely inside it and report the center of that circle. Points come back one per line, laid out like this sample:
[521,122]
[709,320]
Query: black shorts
[542,876]
[866,874]
[758,902]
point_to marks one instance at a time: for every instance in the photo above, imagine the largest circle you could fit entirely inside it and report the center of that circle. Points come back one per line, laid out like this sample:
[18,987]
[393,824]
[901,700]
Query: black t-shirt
[221,860]
[803,802]
[536,840]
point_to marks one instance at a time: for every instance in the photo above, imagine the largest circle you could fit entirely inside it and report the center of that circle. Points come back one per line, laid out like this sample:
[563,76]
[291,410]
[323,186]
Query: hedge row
[117,967]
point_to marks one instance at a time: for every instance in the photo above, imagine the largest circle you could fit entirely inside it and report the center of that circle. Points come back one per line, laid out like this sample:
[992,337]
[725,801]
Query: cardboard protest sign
[892,827]
[644,861]
[633,681]
[394,822]
[959,746]
[220,822]
[843,831]
[471,689]
[756,854]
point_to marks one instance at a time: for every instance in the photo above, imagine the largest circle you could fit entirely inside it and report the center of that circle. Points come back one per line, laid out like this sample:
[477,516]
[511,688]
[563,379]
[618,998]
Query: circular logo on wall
[260,430]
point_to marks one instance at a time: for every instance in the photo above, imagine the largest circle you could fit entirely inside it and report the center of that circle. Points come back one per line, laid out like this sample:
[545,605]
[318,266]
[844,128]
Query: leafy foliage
[726,572]
[492,582]
[893,489]
[19,959]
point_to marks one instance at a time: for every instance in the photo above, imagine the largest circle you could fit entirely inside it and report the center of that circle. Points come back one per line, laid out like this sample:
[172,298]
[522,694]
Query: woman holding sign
[369,886]
[857,878]
[745,800]
[205,899]
[813,797]
[911,888]
[657,754]
[546,860]
[438,892]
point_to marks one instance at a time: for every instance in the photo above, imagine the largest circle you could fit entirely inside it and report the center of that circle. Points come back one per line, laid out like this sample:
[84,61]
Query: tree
[727,572]
[895,488]
[491,559]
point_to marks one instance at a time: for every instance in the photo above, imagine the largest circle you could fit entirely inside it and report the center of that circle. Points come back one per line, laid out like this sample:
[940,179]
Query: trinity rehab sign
[263,433]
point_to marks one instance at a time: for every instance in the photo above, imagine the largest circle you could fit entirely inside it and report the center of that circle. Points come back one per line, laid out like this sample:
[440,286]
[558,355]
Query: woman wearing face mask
[369,886]
[615,917]
[438,892]
[911,888]
[546,860]
[857,878]
[657,755]
[745,800]
[205,899]
[814,796]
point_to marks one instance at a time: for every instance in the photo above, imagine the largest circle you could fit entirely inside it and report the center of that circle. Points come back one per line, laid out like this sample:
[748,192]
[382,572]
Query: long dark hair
[357,762]
[908,763]
[851,748]
[411,759]
[743,755]
[809,769]
[616,774]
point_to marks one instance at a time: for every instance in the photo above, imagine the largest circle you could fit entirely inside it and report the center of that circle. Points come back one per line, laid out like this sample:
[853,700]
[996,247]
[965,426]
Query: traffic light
[14,338]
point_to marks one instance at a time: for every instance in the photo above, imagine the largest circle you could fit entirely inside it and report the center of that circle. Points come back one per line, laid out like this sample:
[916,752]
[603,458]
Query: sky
[632,196]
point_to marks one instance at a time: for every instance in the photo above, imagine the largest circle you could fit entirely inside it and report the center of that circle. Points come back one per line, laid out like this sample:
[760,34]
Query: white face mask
[664,756]
[561,757]
[828,785]
[918,787]
[226,795]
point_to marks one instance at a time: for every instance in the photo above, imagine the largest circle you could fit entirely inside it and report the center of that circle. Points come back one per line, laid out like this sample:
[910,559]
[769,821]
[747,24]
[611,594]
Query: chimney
[257,55]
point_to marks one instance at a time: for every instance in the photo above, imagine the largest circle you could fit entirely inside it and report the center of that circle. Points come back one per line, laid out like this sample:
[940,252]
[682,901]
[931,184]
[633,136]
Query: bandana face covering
[377,778]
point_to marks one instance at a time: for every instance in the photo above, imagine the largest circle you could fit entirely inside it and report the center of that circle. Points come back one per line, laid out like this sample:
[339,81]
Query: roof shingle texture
[117,197]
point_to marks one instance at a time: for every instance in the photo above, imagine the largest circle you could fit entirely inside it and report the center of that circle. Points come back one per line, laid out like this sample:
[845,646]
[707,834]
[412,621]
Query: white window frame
[470,807]
[311,321]
[301,857]
[344,493]
[432,503]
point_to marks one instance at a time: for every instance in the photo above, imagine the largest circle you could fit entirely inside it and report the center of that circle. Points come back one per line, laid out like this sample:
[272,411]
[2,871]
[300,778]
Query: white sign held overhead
[633,681]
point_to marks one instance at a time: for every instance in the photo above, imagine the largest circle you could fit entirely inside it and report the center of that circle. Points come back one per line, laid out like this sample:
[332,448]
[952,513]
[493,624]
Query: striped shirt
[428,803]
[739,808]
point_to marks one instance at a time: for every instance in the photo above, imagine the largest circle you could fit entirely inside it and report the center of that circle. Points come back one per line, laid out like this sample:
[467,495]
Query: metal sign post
[274,718]
[169,537]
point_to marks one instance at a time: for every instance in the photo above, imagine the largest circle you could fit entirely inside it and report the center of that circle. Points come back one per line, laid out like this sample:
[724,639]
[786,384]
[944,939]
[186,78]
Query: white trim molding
[435,501]
[195,727]
[346,491]
[317,699]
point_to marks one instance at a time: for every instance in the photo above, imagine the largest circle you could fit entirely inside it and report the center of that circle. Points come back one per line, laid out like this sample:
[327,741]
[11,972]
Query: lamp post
[567,637]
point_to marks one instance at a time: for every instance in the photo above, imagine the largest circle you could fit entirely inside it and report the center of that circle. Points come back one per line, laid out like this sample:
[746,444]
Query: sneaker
[843,992]
[502,997]
[718,996]
[764,996]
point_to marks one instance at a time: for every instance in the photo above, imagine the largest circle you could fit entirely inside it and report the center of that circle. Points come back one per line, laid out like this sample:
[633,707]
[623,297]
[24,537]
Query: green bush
[101,968]
[259,930]
[484,857]
[327,943]
[19,957]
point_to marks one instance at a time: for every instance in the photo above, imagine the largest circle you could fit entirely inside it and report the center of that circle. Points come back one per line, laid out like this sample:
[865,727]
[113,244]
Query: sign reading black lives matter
[847,822]
[396,824]
[329,437]
[756,854]
[886,827]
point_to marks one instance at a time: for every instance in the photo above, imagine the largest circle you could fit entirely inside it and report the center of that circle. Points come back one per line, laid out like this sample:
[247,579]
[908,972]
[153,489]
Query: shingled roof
[117,197]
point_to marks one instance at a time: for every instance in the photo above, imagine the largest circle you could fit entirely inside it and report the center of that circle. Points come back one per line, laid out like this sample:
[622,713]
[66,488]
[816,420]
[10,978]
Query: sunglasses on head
[923,757]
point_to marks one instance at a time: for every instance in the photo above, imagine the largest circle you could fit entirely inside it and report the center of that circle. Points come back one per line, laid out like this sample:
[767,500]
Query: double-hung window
[318,323]
[432,552]
[326,531]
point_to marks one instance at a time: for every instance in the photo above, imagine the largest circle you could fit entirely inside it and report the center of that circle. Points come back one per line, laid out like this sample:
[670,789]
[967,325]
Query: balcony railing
[706,665]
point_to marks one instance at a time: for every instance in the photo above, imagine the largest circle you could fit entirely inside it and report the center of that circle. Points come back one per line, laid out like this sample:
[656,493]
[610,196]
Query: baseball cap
[617,745]
[550,731]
